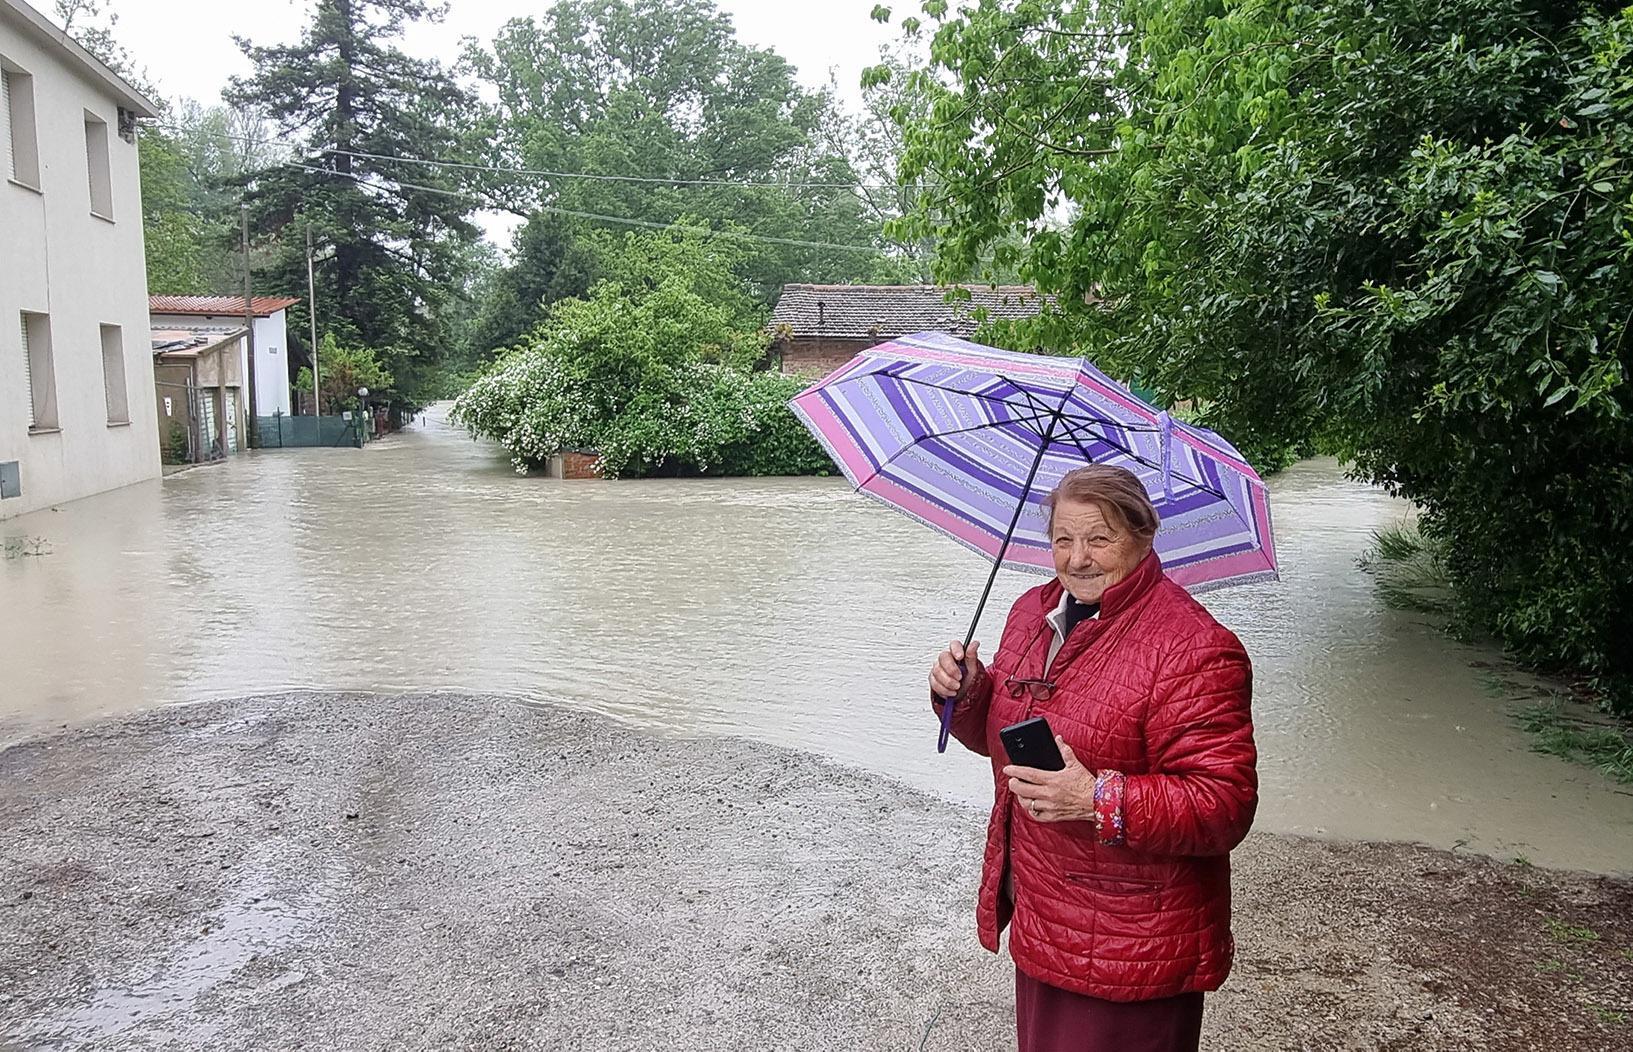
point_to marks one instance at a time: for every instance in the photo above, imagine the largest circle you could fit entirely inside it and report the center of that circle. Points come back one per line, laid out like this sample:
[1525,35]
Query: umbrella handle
[947,707]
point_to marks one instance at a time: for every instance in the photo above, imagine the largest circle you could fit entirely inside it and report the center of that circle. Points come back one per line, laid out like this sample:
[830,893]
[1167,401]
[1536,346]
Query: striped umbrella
[970,439]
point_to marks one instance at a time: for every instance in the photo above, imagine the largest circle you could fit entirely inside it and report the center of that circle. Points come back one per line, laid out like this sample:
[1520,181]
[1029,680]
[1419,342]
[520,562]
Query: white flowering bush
[531,405]
[653,372]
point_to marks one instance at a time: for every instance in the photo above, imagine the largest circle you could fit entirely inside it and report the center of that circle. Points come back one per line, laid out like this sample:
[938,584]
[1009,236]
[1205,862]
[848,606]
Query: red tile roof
[260,306]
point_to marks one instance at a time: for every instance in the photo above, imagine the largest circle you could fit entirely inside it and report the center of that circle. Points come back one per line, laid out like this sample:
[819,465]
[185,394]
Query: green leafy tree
[662,90]
[551,261]
[896,95]
[359,110]
[1402,225]
[193,162]
[173,232]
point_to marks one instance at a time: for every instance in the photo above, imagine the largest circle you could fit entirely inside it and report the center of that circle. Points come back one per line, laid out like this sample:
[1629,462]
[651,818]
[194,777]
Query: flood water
[784,610]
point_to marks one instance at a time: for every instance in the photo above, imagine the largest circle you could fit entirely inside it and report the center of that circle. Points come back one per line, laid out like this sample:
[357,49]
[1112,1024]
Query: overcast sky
[188,51]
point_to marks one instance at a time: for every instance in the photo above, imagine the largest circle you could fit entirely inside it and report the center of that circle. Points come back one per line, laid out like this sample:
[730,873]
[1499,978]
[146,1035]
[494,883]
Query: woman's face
[1091,555]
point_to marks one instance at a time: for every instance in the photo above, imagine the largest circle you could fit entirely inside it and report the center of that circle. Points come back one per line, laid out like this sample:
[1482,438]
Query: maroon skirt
[1049,1019]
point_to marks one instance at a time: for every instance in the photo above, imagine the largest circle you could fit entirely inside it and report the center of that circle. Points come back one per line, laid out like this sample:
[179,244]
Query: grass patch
[1569,932]
[1409,569]
[1610,1016]
[1558,733]
[1397,543]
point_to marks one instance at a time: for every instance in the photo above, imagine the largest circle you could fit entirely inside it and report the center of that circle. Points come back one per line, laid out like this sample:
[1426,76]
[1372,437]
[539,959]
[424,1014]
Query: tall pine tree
[359,109]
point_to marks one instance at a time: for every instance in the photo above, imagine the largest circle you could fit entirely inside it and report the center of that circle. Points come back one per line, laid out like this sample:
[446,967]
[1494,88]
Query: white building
[271,344]
[76,372]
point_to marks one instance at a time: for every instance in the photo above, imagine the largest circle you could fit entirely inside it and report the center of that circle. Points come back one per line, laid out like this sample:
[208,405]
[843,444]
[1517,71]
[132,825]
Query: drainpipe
[195,421]
[221,393]
[252,439]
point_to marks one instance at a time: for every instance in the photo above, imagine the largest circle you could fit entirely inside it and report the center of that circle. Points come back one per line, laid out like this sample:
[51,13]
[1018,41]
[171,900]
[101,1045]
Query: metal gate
[200,408]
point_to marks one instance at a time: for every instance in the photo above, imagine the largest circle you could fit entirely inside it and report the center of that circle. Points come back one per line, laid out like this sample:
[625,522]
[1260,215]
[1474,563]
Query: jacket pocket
[1113,907]
[1106,884]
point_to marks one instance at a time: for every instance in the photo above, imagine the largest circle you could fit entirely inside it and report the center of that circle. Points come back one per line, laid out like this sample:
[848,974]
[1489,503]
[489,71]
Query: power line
[596,176]
[597,216]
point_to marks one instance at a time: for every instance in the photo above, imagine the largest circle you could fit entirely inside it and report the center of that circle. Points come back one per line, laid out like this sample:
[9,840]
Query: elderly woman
[1113,875]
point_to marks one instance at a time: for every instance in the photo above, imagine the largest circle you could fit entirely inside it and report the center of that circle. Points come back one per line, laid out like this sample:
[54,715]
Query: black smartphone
[1031,743]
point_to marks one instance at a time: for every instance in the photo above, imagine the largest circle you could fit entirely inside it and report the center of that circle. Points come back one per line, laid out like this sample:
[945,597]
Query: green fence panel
[304,432]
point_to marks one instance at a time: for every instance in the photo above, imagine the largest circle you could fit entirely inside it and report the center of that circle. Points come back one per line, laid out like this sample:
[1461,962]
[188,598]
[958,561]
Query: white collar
[1057,616]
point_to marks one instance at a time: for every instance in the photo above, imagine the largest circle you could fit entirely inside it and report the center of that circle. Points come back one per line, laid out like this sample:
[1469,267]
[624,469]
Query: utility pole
[249,336]
[312,311]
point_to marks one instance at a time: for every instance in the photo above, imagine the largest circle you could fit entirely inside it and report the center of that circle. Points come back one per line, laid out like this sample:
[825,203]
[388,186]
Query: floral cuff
[1108,807]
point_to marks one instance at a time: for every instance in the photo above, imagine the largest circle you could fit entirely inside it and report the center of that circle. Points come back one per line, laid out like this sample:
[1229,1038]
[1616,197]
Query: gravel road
[438,871]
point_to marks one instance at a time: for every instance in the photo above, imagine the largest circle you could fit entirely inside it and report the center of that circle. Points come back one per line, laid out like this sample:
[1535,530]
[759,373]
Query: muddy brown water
[783,610]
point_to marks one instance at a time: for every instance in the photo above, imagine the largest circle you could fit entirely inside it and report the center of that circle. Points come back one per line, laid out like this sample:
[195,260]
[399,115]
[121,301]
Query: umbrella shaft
[1009,534]
[1020,506]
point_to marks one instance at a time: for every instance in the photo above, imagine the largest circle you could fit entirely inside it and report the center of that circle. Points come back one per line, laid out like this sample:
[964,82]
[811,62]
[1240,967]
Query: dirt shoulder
[447,871]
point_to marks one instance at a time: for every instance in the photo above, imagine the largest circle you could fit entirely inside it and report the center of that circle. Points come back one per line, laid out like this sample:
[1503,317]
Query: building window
[113,375]
[96,159]
[39,372]
[17,125]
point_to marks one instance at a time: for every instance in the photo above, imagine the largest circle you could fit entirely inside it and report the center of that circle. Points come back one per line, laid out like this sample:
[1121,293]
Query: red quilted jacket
[1157,689]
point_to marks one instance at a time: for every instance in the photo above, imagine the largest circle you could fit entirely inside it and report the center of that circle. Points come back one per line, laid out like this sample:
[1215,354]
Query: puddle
[162,1002]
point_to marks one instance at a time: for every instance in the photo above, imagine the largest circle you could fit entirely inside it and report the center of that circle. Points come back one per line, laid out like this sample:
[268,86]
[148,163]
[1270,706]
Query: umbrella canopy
[970,439]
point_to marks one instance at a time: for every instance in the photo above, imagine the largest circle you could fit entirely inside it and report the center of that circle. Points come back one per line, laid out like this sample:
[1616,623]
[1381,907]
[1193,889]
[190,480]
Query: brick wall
[574,466]
[819,355]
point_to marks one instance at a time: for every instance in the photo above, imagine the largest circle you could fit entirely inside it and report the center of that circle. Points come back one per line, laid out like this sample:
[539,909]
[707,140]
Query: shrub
[341,371]
[652,371]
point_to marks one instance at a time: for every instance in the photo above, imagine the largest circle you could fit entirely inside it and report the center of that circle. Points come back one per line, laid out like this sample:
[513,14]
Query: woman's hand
[1066,795]
[947,674]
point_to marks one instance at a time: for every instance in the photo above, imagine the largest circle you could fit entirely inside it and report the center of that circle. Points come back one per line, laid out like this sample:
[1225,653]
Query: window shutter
[28,372]
[5,121]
